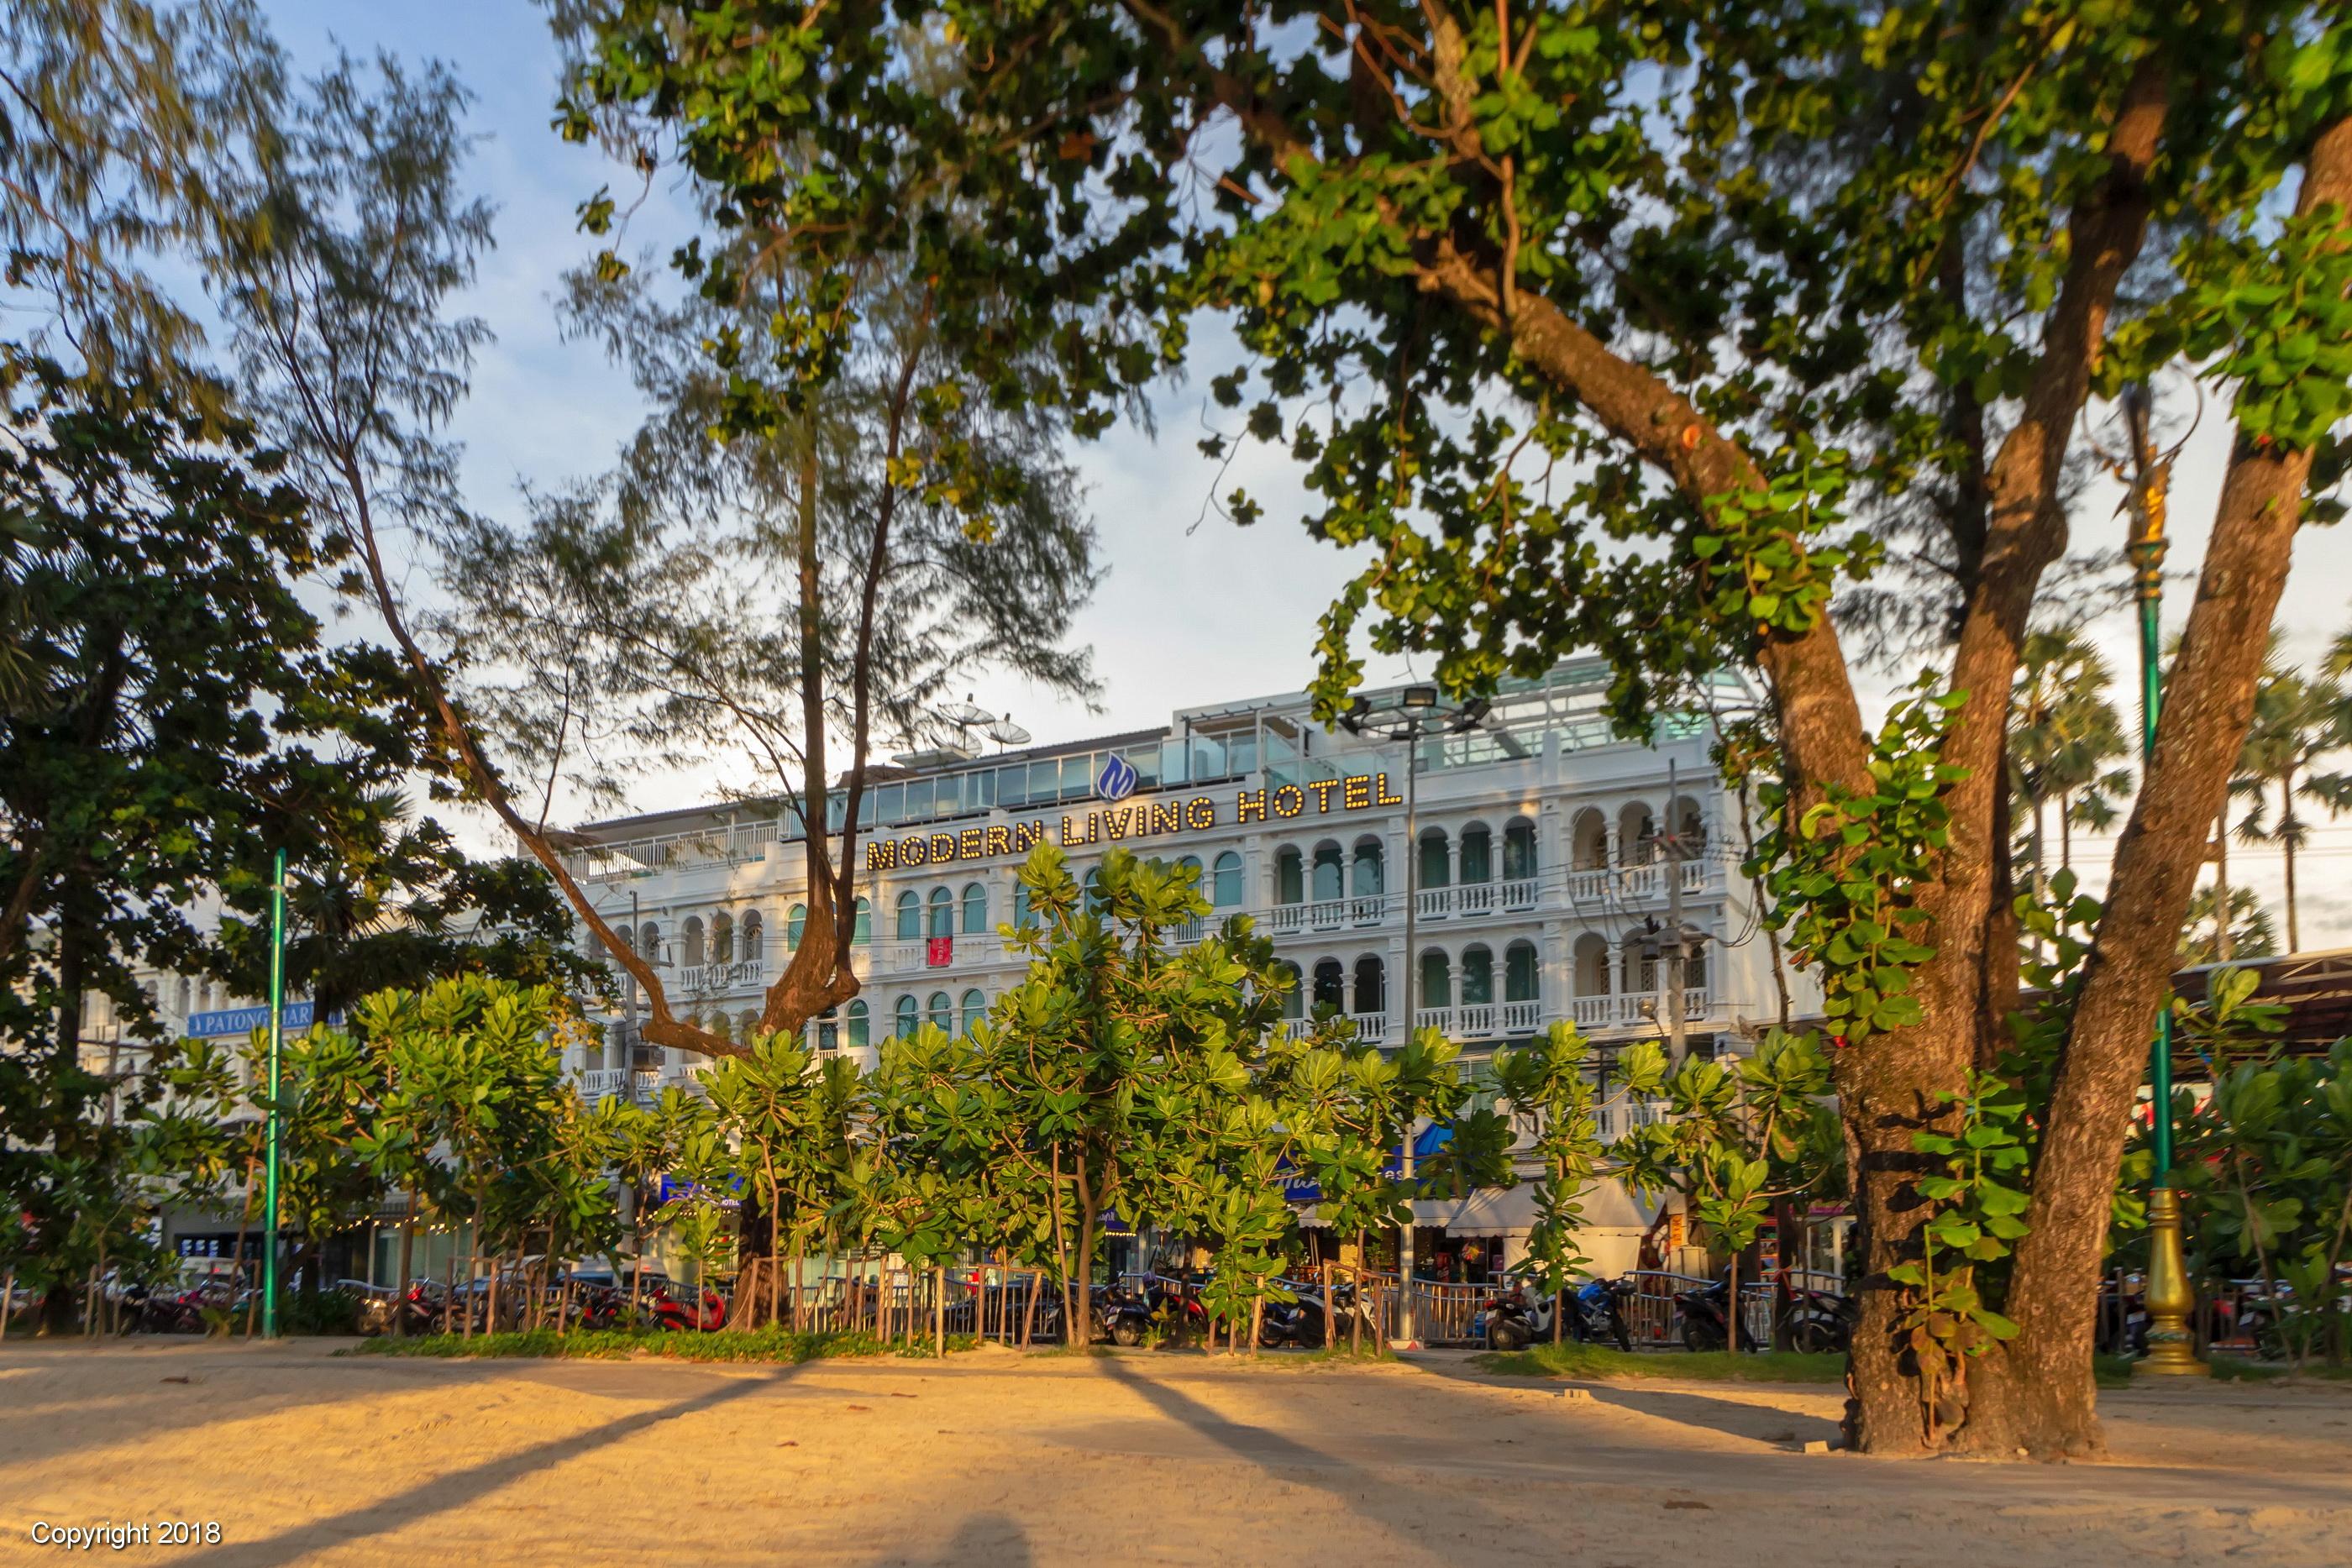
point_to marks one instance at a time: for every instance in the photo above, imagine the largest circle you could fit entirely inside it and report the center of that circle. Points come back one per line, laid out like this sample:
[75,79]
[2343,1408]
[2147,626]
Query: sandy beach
[300,1455]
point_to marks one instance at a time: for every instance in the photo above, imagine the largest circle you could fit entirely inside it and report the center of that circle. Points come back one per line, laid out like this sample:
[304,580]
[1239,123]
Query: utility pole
[1407,715]
[1677,1047]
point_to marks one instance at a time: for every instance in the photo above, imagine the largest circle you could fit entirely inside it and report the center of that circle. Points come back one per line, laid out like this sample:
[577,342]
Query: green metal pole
[277,1043]
[2171,1299]
[2160,1065]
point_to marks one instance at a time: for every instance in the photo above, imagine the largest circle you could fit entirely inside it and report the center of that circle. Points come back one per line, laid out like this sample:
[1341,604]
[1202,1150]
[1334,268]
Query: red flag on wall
[938,952]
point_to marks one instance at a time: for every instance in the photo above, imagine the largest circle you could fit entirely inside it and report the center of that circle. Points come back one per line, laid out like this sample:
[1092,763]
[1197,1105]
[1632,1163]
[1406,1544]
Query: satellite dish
[964,714]
[1004,732]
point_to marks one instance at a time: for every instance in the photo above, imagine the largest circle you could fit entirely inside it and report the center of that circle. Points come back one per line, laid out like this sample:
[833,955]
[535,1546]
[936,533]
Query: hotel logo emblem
[1116,781]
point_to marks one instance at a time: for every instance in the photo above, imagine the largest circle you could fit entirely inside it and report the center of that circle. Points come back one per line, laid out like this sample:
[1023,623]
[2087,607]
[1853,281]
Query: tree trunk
[1257,1317]
[940,1311]
[2035,1394]
[2288,828]
[2221,880]
[1029,1310]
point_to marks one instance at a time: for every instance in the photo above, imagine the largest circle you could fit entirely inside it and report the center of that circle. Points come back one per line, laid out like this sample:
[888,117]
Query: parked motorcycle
[1819,1323]
[705,1312]
[1597,1312]
[1515,1319]
[2123,1318]
[1706,1313]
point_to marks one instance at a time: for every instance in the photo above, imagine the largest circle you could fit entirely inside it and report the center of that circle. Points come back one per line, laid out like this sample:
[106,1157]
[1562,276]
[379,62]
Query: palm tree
[2299,721]
[2065,741]
[2250,933]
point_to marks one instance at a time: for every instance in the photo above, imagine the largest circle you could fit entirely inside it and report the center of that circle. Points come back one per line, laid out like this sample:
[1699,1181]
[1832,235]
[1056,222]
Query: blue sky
[1188,615]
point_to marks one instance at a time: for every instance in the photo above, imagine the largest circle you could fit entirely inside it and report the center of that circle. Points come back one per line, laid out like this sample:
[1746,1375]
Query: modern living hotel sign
[1145,819]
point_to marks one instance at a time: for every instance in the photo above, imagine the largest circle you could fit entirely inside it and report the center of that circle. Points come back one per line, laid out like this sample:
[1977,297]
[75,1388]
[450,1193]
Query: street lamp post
[2171,1297]
[1406,715]
[274,1132]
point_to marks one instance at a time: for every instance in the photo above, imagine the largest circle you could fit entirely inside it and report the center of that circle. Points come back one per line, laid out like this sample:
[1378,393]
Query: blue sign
[244,1020]
[1118,780]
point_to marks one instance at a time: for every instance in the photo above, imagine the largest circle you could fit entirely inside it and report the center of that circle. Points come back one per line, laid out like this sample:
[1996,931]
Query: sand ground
[302,1457]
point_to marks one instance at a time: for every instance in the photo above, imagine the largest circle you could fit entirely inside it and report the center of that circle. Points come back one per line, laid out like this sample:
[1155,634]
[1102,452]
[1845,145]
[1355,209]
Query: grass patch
[1573,1360]
[771,1344]
[2237,1369]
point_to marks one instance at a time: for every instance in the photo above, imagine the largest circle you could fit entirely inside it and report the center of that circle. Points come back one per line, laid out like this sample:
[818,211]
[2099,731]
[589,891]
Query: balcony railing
[1474,898]
[1608,1011]
[726,975]
[640,1083]
[1327,914]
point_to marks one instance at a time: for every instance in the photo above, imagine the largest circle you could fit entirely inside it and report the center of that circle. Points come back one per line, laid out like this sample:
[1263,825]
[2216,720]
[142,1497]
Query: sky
[1194,610]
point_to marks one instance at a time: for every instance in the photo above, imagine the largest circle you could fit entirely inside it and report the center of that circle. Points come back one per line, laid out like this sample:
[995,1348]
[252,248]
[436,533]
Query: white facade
[1546,867]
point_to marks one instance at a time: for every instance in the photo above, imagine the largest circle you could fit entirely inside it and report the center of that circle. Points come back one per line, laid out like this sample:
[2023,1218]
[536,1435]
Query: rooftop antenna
[1007,734]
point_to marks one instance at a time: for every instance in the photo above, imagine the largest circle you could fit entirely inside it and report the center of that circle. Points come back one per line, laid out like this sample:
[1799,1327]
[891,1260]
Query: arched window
[1637,835]
[185,994]
[1695,966]
[1588,841]
[1520,981]
[864,930]
[1478,854]
[910,916]
[649,943]
[858,1028]
[942,913]
[1477,976]
[1022,917]
[694,941]
[754,929]
[1294,1004]
[826,1032]
[1436,981]
[723,1027]
[748,1022]
[907,1016]
[795,921]
[975,1007]
[1226,890]
[975,909]
[1371,985]
[722,938]
[1436,871]
[1329,881]
[1330,983]
[942,1011]
[1368,881]
[1592,966]
[1289,876]
[1519,850]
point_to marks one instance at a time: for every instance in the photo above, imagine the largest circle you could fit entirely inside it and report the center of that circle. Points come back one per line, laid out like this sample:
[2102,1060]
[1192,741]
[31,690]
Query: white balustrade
[733,975]
[1592,1012]
[597,1083]
[1522,1017]
[1371,1028]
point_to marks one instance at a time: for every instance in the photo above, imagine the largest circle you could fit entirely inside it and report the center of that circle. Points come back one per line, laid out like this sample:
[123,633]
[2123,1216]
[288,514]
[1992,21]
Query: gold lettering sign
[1356,792]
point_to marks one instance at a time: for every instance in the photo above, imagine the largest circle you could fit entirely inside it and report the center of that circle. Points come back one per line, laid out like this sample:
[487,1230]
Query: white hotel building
[1549,851]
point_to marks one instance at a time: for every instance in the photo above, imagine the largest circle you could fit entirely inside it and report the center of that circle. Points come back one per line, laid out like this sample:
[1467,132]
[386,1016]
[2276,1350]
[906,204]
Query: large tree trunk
[2036,1394]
